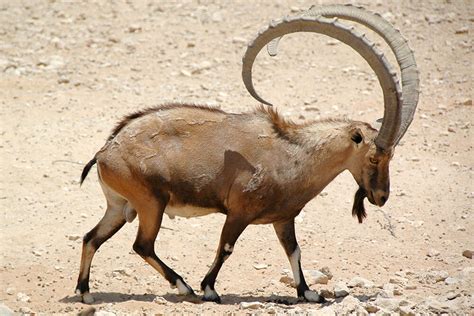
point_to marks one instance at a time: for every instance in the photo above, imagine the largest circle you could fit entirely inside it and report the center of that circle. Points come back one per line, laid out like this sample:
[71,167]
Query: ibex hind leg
[150,214]
[110,223]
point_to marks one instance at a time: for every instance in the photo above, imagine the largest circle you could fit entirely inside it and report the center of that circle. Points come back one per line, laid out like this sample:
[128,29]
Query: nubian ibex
[255,167]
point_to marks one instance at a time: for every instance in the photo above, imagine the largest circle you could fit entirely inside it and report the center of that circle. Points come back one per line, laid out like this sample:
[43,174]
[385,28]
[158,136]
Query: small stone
[37,253]
[160,300]
[398,281]
[74,237]
[341,289]
[63,80]
[133,28]
[406,311]
[371,308]
[125,272]
[260,266]
[251,305]
[239,40]
[327,272]
[415,159]
[22,297]
[452,295]
[288,281]
[316,277]
[462,30]
[434,276]
[360,282]
[455,164]
[10,290]
[433,253]
[104,313]
[324,311]
[451,280]
[467,254]
[326,293]
[186,73]
[390,304]
[467,102]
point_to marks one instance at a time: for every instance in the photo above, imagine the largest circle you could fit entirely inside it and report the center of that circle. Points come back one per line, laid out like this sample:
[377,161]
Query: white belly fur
[184,210]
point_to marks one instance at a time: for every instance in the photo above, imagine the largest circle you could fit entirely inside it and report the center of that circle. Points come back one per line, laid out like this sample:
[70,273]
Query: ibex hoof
[211,295]
[313,296]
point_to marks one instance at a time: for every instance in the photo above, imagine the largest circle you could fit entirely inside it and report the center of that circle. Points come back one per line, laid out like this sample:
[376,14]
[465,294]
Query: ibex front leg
[286,234]
[232,229]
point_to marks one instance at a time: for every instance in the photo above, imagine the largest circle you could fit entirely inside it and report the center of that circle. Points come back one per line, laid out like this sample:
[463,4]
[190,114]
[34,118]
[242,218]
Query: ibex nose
[380,197]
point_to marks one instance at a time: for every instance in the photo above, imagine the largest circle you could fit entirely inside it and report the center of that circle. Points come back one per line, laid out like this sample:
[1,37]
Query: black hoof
[215,299]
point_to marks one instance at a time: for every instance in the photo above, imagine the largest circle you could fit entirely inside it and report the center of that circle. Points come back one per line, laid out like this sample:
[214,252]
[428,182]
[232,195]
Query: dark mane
[130,117]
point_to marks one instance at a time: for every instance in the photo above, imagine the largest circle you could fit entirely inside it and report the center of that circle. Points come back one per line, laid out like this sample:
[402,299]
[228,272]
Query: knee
[142,248]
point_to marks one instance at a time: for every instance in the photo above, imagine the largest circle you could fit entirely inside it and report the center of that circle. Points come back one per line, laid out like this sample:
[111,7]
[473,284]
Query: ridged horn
[399,45]
[346,34]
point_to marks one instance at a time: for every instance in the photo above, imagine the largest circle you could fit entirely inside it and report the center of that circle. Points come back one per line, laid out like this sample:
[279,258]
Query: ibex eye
[373,161]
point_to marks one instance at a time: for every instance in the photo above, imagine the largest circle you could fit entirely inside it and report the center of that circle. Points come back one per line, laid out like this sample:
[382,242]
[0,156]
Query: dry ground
[69,70]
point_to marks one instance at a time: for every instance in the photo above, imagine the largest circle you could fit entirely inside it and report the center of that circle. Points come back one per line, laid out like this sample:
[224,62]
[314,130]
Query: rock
[325,311]
[406,311]
[10,290]
[399,281]
[451,280]
[316,277]
[433,253]
[452,295]
[341,289]
[239,40]
[288,281]
[160,300]
[22,297]
[349,304]
[371,308]
[260,266]
[104,313]
[326,293]
[133,28]
[73,237]
[251,305]
[327,272]
[5,311]
[462,30]
[125,272]
[390,304]
[467,254]
[434,276]
[360,282]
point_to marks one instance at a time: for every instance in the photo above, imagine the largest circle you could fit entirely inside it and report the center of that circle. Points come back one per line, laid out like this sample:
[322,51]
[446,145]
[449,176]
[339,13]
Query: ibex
[255,167]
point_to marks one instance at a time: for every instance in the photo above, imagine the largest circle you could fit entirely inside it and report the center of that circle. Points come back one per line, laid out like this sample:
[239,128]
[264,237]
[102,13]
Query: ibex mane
[255,167]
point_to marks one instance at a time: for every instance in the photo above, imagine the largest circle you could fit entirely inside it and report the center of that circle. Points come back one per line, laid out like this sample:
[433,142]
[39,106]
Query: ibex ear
[357,136]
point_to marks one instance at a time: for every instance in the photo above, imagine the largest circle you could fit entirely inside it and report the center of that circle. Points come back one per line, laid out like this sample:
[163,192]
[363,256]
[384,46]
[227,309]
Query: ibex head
[373,149]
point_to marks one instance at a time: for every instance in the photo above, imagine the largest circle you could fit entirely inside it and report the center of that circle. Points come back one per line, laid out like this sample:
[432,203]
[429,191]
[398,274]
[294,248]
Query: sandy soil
[70,70]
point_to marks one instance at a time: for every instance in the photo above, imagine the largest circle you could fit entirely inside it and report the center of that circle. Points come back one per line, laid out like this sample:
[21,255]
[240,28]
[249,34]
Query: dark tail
[87,168]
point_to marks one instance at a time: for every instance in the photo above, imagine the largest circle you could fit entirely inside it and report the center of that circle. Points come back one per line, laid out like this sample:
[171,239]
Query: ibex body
[255,167]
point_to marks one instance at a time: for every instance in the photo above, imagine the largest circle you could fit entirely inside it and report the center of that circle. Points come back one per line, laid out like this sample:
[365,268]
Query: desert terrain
[69,70]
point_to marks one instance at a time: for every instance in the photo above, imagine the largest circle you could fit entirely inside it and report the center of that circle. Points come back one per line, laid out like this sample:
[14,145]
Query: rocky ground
[69,70]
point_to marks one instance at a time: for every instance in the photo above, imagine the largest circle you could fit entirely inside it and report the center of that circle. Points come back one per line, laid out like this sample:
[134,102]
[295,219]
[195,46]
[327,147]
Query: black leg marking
[230,233]
[287,237]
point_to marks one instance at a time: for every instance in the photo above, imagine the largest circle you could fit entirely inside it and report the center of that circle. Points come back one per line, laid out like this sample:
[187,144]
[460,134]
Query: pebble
[288,280]
[360,282]
[260,266]
[451,280]
[316,277]
[433,253]
[10,290]
[160,300]
[74,237]
[22,297]
[341,289]
[326,293]
[467,254]
[104,313]
[462,30]
[398,280]
[327,272]
[251,305]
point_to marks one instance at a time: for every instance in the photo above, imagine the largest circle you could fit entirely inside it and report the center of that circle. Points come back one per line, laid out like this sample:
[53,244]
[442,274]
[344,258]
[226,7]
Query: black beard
[358,208]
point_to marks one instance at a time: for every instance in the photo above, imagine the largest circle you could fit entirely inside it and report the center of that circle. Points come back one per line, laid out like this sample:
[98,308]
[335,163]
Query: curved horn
[346,34]
[399,45]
